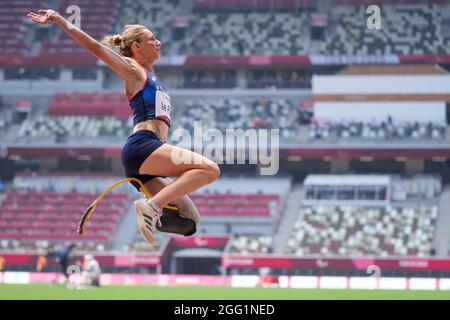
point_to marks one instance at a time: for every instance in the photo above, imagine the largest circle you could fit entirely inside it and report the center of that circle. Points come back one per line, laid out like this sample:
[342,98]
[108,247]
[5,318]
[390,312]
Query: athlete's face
[149,47]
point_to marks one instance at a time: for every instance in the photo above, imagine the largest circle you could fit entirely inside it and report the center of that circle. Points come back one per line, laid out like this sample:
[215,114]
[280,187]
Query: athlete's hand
[43,16]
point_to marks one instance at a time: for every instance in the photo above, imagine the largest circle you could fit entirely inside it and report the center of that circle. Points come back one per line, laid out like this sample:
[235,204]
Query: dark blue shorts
[138,147]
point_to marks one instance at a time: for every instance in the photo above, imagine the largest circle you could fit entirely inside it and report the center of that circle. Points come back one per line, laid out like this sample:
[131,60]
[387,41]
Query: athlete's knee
[212,171]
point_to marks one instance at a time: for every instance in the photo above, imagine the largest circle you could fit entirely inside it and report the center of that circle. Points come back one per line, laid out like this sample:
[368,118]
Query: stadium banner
[363,283]
[16,277]
[422,151]
[423,284]
[245,281]
[399,111]
[443,284]
[177,60]
[286,262]
[317,59]
[240,281]
[46,277]
[424,58]
[200,241]
[137,279]
[87,59]
[116,260]
[136,260]
[304,282]
[253,60]
[435,84]
[333,282]
[351,153]
[393,283]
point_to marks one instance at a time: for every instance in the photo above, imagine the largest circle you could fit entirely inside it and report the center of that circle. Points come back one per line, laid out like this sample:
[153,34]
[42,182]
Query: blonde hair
[130,33]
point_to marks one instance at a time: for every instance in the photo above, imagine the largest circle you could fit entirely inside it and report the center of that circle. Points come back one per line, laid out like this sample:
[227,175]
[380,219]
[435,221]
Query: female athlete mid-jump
[146,155]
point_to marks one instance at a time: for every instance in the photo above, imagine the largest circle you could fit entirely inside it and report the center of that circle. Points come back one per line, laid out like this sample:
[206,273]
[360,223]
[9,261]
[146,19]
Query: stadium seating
[85,182]
[63,128]
[254,5]
[156,15]
[46,215]
[138,244]
[225,114]
[406,29]
[92,104]
[236,205]
[234,34]
[45,246]
[12,27]
[385,131]
[94,115]
[358,231]
[217,27]
[225,33]
[250,244]
[97,19]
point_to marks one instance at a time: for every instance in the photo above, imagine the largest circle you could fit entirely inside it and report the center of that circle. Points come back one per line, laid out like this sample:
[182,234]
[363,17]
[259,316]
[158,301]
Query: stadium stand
[158,14]
[13,31]
[63,128]
[242,113]
[41,211]
[139,245]
[49,215]
[222,27]
[229,205]
[247,244]
[226,33]
[97,21]
[223,33]
[255,5]
[358,231]
[384,131]
[106,115]
[403,224]
[406,29]
[86,182]
[93,104]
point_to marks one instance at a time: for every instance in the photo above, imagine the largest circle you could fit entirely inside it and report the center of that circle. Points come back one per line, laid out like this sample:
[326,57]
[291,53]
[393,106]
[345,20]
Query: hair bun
[116,39]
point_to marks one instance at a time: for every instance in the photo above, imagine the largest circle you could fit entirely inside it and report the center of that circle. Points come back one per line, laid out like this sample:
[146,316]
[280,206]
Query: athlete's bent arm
[115,61]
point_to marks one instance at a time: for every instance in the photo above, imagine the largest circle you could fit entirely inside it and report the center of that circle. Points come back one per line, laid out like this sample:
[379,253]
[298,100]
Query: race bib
[163,104]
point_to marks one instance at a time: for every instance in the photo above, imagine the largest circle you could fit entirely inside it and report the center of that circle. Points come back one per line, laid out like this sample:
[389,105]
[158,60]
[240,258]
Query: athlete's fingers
[32,15]
[35,17]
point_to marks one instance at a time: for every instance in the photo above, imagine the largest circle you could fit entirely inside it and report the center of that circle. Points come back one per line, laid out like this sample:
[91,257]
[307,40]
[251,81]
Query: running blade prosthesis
[90,210]
[171,222]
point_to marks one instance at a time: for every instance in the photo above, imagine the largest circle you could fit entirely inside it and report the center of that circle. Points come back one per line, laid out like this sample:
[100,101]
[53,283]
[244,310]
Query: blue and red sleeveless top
[152,102]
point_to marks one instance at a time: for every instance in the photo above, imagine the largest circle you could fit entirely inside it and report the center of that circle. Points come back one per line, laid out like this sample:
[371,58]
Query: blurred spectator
[63,256]
[91,271]
[41,262]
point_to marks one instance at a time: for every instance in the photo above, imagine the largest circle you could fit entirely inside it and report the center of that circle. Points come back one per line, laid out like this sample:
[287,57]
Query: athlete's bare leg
[184,203]
[192,173]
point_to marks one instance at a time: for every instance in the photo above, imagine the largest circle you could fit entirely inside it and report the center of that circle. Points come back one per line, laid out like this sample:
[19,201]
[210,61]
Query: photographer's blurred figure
[63,257]
[91,271]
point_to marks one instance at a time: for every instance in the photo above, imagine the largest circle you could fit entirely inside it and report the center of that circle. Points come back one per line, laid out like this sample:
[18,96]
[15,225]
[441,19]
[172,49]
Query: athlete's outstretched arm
[115,61]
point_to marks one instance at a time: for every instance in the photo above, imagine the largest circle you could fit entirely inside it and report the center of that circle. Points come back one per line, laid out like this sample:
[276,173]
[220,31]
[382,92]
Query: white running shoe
[147,218]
